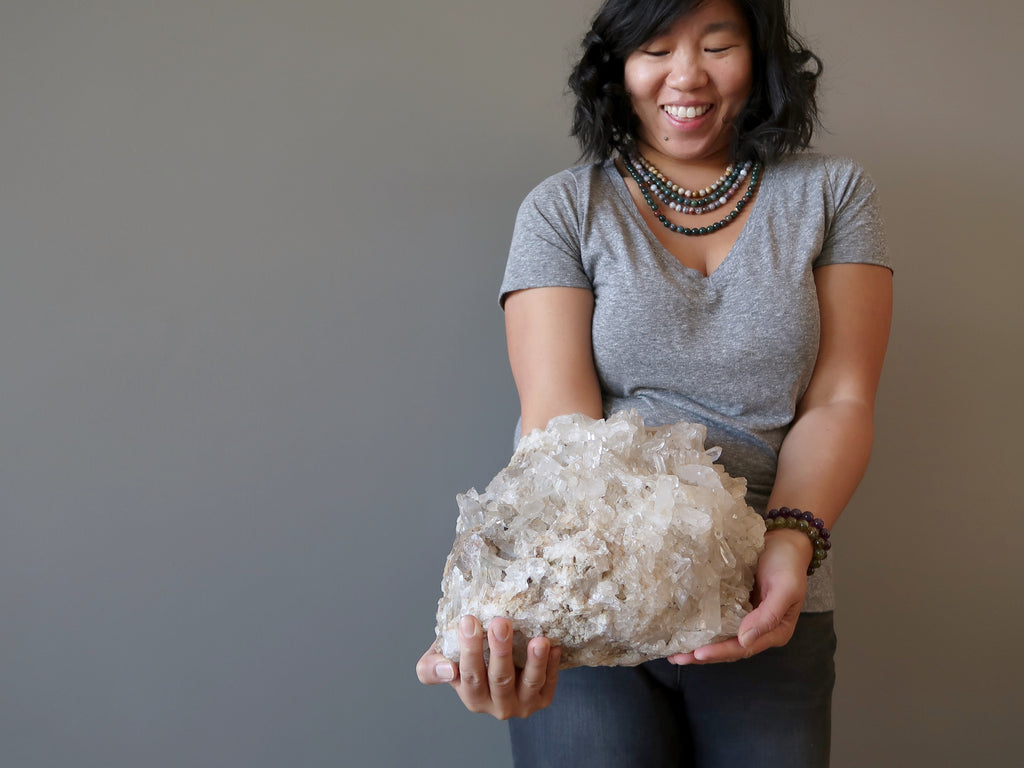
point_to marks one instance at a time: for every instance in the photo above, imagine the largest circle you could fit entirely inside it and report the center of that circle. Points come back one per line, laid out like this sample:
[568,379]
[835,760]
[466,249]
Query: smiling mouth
[686,112]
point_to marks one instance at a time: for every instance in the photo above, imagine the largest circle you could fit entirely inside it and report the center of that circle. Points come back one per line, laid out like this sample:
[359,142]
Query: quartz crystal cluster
[619,542]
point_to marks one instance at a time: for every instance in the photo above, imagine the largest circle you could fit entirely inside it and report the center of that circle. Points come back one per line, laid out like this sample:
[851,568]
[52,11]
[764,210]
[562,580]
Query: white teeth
[688,112]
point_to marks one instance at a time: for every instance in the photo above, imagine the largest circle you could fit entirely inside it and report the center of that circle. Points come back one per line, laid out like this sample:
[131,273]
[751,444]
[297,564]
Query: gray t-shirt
[733,351]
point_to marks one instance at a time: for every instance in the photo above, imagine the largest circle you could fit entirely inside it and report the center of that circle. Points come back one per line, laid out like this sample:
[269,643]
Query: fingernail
[539,649]
[468,627]
[501,631]
[749,636]
[445,672]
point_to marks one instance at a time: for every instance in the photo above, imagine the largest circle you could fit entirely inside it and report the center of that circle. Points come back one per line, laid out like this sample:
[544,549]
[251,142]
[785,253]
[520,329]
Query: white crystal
[619,542]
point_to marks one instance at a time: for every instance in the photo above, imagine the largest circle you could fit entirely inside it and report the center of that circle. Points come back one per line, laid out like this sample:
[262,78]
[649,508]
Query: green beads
[807,524]
[755,178]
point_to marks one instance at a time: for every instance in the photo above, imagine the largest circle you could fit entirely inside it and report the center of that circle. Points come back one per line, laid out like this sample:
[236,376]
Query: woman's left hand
[779,591]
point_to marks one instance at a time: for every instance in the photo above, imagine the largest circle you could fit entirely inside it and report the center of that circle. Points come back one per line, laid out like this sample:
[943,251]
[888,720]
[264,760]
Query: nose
[687,72]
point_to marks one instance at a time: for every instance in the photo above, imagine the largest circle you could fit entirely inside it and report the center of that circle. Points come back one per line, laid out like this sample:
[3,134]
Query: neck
[690,173]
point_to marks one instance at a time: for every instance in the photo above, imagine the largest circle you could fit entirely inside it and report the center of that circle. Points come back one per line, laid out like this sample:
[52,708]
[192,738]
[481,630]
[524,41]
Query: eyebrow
[721,26]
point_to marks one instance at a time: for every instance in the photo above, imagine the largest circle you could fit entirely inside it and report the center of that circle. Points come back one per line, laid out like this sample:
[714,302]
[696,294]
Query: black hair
[778,117]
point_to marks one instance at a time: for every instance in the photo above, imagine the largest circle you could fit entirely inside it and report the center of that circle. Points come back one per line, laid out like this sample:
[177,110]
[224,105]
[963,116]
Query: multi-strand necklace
[653,182]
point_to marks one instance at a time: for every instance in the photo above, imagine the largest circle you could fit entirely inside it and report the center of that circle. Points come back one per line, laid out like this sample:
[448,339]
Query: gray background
[250,350]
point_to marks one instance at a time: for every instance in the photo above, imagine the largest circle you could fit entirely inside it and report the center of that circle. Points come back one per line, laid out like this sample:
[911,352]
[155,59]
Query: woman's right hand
[499,689]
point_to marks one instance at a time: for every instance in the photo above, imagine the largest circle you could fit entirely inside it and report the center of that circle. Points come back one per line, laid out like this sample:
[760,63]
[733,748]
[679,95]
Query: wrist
[799,545]
[801,524]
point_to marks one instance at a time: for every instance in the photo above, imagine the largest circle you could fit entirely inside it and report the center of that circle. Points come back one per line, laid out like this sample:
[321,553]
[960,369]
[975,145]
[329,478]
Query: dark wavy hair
[780,114]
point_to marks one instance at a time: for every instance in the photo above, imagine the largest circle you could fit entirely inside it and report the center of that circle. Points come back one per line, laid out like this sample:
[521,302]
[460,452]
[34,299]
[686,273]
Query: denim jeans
[770,711]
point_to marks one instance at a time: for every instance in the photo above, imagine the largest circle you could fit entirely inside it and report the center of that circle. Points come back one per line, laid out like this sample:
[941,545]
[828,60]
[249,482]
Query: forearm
[826,452]
[823,458]
[821,461]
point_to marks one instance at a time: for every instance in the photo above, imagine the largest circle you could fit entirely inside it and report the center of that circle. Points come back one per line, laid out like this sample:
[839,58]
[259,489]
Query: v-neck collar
[728,263]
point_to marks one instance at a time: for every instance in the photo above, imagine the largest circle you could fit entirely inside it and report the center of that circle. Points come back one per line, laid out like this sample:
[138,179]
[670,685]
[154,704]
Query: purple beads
[806,523]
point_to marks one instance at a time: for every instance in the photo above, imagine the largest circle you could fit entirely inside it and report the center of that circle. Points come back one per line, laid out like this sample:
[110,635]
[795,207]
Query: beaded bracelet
[805,522]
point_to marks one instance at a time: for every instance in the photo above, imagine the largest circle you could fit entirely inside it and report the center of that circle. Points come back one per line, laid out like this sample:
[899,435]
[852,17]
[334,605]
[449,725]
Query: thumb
[762,621]
[433,668]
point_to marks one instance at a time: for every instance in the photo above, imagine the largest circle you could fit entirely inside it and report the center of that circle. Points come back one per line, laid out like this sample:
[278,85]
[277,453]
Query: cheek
[744,80]
[638,82]
[735,88]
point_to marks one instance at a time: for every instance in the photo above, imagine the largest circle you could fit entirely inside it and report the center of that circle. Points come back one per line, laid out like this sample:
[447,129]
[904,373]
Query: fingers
[763,628]
[726,650]
[760,630]
[773,622]
[433,668]
[682,659]
[531,683]
[550,677]
[501,671]
[540,675]
[496,687]
[781,586]
[473,685]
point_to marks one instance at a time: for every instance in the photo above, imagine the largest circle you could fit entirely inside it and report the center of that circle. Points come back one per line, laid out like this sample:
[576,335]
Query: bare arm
[826,451]
[549,349]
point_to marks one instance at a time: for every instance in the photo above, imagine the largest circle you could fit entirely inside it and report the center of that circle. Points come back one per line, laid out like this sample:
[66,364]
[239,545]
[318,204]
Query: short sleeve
[545,250]
[855,232]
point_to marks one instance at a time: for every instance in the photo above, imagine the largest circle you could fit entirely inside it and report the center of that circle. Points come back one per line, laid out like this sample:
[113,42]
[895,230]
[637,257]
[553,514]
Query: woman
[705,269]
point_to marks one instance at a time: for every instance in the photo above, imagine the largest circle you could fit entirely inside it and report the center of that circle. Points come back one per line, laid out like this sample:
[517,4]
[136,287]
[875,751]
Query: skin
[703,59]
[825,454]
[499,689]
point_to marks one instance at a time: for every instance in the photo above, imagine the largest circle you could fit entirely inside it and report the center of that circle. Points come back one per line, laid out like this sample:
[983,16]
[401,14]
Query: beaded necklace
[651,180]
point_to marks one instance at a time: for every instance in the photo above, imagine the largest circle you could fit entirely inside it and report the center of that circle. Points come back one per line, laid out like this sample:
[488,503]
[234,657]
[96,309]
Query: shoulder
[835,177]
[845,200]
[811,163]
[548,238]
[572,187]
[562,200]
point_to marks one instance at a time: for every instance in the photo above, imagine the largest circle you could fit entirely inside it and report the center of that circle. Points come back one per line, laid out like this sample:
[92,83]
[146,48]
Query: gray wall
[250,350]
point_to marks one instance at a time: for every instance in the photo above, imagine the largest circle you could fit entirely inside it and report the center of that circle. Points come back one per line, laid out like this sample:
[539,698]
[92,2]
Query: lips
[686,112]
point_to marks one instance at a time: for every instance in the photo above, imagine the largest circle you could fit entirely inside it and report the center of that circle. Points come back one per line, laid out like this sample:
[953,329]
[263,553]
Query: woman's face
[688,85]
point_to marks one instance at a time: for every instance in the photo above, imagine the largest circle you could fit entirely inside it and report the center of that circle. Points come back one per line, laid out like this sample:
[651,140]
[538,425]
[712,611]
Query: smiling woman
[704,268]
[687,85]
